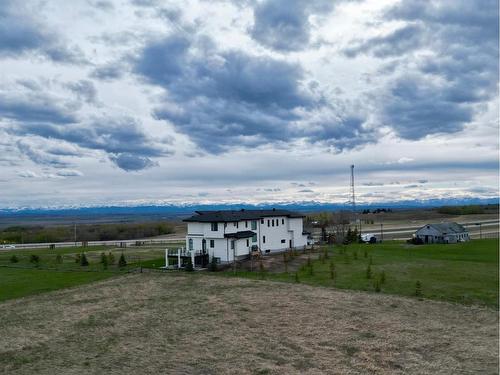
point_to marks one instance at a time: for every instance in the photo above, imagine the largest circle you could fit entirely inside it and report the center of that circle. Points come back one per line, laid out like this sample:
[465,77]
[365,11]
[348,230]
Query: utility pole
[353,199]
[480,231]
[381,232]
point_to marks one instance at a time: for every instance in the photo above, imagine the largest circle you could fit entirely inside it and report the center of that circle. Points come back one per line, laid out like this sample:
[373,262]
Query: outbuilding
[446,232]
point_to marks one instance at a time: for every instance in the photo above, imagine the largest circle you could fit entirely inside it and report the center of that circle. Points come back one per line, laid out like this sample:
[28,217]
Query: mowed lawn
[466,272]
[25,278]
[16,282]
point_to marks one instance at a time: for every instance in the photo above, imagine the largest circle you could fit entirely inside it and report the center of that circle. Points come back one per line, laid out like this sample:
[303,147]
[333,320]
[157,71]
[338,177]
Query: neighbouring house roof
[447,227]
[233,215]
[241,234]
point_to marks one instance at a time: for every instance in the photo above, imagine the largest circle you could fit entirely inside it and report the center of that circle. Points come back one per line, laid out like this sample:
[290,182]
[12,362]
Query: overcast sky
[144,101]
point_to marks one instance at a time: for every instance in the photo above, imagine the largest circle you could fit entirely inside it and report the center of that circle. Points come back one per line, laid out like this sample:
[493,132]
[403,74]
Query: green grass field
[15,283]
[24,278]
[466,273]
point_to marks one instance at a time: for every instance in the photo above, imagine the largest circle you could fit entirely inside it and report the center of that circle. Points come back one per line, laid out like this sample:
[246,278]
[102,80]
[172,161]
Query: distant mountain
[182,210]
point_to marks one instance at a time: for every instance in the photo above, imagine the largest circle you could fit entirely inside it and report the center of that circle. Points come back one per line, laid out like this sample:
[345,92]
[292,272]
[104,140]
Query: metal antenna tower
[353,196]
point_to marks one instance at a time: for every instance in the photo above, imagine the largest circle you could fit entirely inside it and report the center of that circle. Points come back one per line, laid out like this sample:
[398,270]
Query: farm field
[26,277]
[466,272]
[188,323]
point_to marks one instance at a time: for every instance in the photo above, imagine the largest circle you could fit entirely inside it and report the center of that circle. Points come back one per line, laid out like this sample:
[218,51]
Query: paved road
[124,243]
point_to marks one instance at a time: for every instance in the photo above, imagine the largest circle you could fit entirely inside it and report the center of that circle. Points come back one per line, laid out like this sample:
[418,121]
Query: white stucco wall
[284,229]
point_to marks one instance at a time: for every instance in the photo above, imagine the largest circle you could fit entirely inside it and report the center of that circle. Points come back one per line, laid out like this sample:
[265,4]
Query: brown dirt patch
[200,324]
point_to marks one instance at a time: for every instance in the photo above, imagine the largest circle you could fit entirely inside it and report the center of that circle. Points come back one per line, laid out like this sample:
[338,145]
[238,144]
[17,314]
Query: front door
[290,244]
[426,239]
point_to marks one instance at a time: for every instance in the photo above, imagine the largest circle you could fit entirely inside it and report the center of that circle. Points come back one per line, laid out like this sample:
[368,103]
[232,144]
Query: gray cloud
[33,110]
[39,156]
[69,173]
[284,24]
[121,138]
[84,90]
[447,66]
[110,71]
[22,33]
[225,98]
[132,162]
[31,101]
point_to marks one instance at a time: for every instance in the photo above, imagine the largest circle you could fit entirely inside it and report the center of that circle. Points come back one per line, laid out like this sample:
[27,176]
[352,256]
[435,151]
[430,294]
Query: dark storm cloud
[284,24]
[22,33]
[223,99]
[447,66]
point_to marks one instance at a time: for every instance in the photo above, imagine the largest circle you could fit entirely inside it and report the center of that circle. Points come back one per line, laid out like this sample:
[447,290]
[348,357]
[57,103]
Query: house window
[277,222]
[246,224]
[212,243]
[262,221]
[254,238]
[214,227]
[232,244]
[283,241]
[254,225]
[248,243]
[263,239]
[273,222]
[268,222]
[236,224]
[283,221]
[190,244]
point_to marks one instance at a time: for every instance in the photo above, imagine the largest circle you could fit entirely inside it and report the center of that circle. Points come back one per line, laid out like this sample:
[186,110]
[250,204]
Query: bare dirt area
[202,324]
[275,262]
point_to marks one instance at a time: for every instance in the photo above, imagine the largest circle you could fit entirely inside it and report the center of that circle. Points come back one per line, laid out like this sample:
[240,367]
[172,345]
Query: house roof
[243,214]
[241,234]
[447,227]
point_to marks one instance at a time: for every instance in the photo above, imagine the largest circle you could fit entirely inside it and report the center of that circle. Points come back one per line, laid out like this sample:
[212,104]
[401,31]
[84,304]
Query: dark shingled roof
[448,227]
[242,234]
[229,216]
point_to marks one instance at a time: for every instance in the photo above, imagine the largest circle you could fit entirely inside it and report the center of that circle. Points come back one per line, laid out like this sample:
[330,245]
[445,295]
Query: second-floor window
[283,221]
[268,222]
[254,225]
[273,222]
[246,224]
[263,239]
[214,227]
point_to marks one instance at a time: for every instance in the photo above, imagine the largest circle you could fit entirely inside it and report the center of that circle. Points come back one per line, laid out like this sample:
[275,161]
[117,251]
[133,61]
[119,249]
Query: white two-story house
[229,235]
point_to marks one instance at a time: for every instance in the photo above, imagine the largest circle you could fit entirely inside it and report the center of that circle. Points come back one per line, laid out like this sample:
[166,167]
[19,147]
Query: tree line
[86,232]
